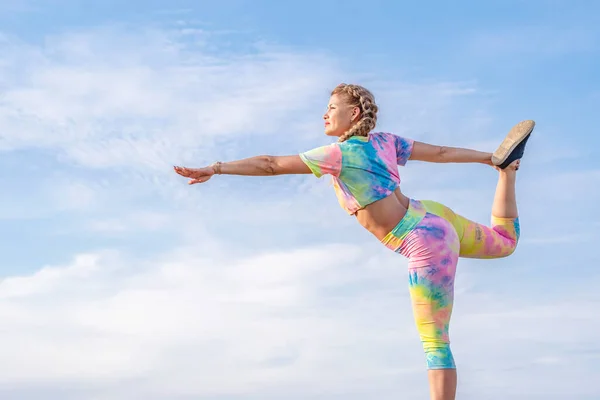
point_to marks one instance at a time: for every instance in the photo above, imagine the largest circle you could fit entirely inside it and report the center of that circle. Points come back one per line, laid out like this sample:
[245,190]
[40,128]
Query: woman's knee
[438,356]
[508,247]
[512,246]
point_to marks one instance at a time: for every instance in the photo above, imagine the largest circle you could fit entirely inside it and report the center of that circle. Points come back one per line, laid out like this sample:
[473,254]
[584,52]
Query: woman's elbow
[270,165]
[430,153]
[442,154]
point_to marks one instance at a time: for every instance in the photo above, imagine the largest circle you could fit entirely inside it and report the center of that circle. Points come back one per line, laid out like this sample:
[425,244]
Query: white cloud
[329,318]
[116,98]
[125,316]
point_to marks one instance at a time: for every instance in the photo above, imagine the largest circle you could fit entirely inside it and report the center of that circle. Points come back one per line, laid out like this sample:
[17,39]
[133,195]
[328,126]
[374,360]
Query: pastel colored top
[363,169]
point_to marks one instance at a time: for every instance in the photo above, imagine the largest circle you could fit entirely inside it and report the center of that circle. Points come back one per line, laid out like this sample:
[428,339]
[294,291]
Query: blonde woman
[363,165]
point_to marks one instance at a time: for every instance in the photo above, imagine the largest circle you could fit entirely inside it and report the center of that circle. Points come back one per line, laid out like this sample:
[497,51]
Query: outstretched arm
[444,154]
[253,166]
[264,166]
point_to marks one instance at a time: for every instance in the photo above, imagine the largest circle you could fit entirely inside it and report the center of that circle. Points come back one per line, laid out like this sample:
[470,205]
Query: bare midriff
[382,216]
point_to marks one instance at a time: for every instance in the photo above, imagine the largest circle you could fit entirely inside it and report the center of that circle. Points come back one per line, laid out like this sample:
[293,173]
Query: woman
[363,165]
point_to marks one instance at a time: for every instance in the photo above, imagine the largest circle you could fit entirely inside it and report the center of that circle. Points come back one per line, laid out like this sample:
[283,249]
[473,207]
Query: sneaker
[513,146]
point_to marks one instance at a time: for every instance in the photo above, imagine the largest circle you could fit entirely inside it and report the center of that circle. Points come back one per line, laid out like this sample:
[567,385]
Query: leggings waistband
[414,214]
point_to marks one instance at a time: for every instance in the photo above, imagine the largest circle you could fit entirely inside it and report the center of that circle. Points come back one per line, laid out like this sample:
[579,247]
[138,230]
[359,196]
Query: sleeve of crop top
[324,160]
[404,147]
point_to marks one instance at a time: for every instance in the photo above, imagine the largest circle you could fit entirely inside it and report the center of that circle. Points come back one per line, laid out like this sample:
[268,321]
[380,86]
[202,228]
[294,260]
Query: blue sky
[119,281]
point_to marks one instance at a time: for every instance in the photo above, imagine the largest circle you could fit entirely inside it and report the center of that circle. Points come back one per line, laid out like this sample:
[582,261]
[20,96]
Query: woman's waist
[383,216]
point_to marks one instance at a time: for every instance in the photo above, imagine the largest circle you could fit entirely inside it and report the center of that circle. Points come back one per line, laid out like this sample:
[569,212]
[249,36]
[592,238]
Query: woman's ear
[355,114]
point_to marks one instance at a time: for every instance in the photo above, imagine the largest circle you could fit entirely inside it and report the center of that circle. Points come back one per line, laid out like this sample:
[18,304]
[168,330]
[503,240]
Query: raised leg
[481,241]
[501,238]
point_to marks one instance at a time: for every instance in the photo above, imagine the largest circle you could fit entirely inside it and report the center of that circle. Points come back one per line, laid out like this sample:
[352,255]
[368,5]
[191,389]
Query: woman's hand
[196,175]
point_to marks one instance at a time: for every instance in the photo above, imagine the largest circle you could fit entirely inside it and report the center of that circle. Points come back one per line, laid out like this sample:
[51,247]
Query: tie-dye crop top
[363,169]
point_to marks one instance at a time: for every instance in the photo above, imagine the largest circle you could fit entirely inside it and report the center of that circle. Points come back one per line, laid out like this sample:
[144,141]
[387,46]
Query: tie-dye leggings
[433,237]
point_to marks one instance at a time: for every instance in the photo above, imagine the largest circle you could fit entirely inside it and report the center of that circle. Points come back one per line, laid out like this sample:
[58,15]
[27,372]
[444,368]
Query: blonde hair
[358,96]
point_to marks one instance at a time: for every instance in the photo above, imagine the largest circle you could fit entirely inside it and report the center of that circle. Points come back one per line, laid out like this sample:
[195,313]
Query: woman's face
[340,116]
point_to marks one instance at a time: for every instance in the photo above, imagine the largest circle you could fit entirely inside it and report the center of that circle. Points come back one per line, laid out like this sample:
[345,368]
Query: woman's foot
[513,145]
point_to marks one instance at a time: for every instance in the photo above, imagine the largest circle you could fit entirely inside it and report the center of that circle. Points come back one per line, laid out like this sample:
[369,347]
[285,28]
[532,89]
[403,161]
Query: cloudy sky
[119,281]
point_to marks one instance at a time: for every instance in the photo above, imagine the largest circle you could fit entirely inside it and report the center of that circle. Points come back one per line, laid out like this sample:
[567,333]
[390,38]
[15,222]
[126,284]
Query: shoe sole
[515,136]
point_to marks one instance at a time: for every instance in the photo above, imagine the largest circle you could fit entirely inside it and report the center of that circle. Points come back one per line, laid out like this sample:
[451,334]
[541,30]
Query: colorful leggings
[433,237]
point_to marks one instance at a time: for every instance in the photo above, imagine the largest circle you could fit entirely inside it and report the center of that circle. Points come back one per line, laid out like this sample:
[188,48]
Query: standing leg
[432,249]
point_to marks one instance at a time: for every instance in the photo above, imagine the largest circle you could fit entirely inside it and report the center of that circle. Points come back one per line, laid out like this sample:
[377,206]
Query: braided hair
[358,96]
